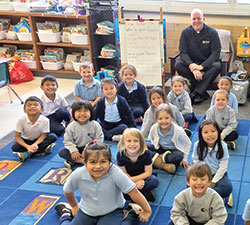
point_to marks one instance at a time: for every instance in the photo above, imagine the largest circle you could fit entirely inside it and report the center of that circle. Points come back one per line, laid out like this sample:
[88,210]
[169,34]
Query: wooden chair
[227,56]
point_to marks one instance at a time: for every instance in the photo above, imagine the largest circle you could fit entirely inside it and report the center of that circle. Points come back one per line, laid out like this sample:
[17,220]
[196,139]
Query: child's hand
[32,148]
[185,164]
[75,156]
[140,184]
[75,210]
[222,138]
[144,216]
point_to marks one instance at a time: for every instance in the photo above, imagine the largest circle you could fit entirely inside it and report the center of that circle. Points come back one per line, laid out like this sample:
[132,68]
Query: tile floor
[9,113]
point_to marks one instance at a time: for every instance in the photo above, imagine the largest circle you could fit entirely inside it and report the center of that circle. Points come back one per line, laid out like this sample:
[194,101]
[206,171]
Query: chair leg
[10,94]
[10,88]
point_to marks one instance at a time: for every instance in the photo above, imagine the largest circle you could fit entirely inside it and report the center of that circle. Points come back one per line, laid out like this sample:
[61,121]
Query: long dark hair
[202,148]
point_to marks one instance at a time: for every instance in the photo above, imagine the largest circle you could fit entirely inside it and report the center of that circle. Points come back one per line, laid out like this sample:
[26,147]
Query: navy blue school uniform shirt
[134,168]
[124,110]
[137,97]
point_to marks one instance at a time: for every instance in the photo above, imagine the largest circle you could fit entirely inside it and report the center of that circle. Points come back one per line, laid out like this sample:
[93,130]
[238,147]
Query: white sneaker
[116,137]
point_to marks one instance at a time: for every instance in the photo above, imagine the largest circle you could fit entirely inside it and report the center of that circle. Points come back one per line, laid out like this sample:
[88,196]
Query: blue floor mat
[22,186]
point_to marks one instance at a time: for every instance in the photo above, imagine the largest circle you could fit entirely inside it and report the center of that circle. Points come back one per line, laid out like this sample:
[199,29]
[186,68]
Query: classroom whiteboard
[141,44]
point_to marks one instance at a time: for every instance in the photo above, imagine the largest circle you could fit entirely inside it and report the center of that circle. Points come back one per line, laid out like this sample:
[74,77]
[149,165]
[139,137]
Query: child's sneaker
[63,208]
[149,195]
[134,210]
[231,145]
[23,155]
[116,137]
[68,164]
[48,149]
[139,120]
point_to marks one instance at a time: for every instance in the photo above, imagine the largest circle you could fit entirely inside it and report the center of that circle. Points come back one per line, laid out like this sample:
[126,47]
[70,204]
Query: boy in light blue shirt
[88,88]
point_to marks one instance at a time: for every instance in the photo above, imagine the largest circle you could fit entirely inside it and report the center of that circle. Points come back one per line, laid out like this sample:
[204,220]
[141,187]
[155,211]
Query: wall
[176,23]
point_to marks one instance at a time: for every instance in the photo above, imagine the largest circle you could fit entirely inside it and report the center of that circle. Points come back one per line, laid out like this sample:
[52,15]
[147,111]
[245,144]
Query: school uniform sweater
[77,135]
[208,209]
[149,118]
[180,139]
[225,118]
[183,102]
[124,110]
[137,97]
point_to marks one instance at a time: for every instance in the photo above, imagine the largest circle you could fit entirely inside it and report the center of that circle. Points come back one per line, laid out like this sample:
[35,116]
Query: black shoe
[192,97]
[63,207]
[231,145]
[149,195]
[188,132]
[200,98]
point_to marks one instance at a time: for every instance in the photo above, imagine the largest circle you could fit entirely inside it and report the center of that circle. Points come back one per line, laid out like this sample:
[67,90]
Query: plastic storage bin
[49,37]
[77,65]
[6,6]
[52,65]
[24,36]
[79,39]
[2,35]
[21,7]
[30,64]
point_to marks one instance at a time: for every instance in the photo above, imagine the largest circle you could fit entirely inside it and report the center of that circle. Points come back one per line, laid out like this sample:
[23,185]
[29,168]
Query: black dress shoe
[192,97]
[199,99]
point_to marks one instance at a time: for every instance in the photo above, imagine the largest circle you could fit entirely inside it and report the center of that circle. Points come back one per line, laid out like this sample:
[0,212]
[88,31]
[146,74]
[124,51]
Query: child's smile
[97,165]
[131,144]
[209,134]
[156,99]
[198,185]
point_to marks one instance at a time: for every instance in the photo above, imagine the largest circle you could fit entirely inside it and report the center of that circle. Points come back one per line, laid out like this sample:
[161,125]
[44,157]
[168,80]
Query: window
[212,7]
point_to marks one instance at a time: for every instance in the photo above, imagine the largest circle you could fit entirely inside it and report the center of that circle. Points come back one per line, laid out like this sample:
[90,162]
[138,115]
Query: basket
[77,65]
[29,64]
[2,35]
[79,39]
[24,36]
[49,37]
[52,65]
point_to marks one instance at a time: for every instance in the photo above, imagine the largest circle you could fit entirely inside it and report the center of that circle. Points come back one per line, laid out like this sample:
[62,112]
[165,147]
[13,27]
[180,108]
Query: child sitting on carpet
[226,83]
[55,106]
[214,152]
[246,213]
[225,117]
[133,91]
[157,97]
[32,131]
[198,204]
[101,185]
[136,161]
[88,88]
[83,130]
[113,111]
[179,97]
[169,140]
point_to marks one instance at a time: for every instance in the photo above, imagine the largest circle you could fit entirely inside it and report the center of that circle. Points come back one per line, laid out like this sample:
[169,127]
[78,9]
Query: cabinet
[103,10]
[38,46]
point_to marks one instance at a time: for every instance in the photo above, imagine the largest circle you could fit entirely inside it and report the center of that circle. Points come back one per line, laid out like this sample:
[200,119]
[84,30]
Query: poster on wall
[142,46]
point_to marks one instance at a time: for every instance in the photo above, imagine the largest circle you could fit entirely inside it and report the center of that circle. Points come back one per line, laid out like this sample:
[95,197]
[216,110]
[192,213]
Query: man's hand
[194,66]
[197,74]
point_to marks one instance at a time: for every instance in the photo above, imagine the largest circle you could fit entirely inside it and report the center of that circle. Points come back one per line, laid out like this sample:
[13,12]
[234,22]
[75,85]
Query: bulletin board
[142,45]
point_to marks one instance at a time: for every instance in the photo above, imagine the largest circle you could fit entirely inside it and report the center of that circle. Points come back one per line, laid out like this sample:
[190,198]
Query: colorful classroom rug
[30,192]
